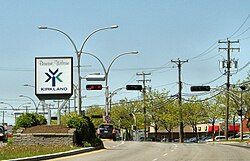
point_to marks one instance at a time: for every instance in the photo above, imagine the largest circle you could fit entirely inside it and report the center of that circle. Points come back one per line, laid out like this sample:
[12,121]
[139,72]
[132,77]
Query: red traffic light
[94,87]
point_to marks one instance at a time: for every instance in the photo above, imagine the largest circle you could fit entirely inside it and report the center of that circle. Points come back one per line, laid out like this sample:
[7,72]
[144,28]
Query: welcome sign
[53,77]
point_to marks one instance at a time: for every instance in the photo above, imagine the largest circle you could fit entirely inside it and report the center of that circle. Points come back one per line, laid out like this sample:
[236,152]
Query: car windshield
[106,127]
[1,129]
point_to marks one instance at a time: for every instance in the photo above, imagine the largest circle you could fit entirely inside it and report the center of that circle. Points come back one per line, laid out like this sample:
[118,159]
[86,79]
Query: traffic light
[96,116]
[239,112]
[134,87]
[94,87]
[200,88]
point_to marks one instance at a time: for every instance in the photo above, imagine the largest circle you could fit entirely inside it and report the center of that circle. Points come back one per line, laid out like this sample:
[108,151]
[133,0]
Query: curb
[241,145]
[56,155]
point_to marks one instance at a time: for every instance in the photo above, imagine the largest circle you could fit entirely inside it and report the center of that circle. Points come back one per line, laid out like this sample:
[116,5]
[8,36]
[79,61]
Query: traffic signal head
[94,87]
[134,87]
[239,112]
[200,88]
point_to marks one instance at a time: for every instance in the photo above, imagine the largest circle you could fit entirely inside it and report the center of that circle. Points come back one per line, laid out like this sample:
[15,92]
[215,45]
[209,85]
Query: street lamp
[134,126]
[31,100]
[106,72]
[78,54]
[111,96]
[8,104]
[241,104]
[25,106]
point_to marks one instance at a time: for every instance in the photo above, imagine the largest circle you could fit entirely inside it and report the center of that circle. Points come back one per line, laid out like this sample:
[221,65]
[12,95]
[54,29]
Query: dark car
[106,131]
[3,136]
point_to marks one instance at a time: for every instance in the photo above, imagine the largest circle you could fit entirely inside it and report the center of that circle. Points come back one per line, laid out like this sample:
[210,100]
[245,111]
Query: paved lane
[150,151]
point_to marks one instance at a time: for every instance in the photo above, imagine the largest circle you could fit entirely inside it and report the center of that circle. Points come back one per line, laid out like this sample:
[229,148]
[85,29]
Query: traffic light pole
[241,109]
[179,63]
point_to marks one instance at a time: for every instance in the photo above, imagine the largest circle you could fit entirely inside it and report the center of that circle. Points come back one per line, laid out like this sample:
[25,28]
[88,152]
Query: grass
[14,151]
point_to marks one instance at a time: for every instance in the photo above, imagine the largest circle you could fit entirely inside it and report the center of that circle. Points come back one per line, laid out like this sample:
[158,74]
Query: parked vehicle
[106,131]
[3,135]
[217,138]
[191,140]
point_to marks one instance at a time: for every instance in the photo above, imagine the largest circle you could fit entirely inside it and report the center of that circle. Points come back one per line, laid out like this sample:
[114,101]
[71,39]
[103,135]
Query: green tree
[156,101]
[95,111]
[214,110]
[193,114]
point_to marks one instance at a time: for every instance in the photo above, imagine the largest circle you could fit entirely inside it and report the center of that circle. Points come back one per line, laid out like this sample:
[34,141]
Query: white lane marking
[155,159]
[171,150]
[165,154]
[118,144]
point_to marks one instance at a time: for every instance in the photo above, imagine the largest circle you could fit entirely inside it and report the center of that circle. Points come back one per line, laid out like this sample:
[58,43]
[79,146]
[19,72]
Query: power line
[240,27]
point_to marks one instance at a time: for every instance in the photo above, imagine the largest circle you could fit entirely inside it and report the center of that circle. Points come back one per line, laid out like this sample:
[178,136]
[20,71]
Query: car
[218,138]
[205,139]
[3,136]
[191,140]
[106,131]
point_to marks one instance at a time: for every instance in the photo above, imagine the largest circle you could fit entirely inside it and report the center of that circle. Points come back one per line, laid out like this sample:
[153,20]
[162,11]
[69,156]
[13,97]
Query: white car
[217,138]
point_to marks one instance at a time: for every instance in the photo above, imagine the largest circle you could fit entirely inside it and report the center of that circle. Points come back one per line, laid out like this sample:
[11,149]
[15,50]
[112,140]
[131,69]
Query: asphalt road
[150,151]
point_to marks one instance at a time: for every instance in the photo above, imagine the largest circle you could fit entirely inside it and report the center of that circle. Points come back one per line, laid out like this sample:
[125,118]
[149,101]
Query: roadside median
[56,155]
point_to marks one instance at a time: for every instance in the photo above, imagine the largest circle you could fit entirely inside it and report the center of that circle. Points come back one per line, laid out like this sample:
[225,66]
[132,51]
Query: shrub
[30,119]
[85,130]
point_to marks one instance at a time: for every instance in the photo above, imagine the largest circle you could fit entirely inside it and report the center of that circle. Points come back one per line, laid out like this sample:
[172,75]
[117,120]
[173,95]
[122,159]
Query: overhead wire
[240,26]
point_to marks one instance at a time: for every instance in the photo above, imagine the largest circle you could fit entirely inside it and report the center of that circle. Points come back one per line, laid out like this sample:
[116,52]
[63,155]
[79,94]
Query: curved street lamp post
[106,72]
[78,54]
[31,100]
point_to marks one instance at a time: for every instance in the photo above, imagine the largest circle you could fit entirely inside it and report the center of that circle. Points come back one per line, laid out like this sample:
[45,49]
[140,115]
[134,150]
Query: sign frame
[53,77]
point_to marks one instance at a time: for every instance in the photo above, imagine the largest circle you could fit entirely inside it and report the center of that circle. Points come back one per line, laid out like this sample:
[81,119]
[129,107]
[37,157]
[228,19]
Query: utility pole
[179,63]
[228,66]
[144,80]
[3,117]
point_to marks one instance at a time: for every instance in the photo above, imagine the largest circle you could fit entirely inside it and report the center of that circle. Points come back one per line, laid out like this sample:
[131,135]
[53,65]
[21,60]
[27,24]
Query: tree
[156,101]
[194,113]
[214,110]
[95,111]
[169,116]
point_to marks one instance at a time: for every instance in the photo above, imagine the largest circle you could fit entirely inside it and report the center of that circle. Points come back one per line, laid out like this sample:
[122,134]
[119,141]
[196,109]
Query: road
[150,151]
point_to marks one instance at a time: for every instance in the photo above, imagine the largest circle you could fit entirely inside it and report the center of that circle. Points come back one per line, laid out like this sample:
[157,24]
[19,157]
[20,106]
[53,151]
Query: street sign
[93,77]
[53,77]
[107,118]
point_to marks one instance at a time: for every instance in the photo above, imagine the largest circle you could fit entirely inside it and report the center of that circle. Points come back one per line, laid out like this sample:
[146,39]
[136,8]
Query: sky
[160,30]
